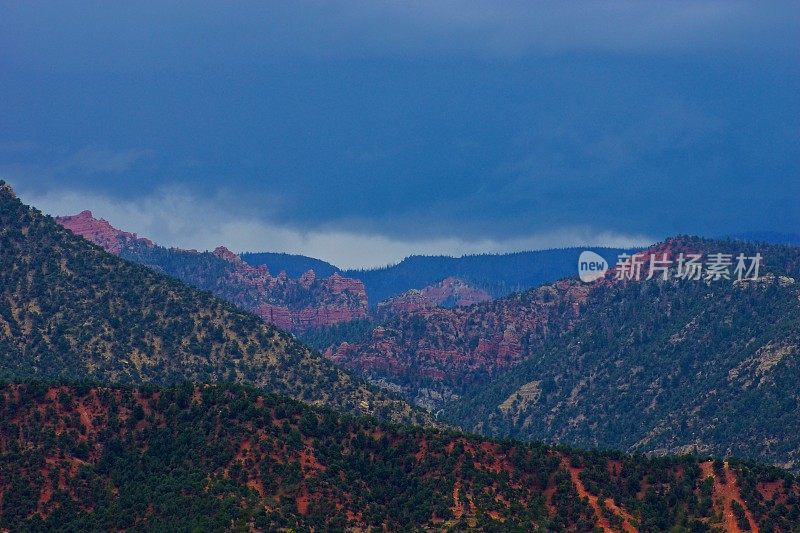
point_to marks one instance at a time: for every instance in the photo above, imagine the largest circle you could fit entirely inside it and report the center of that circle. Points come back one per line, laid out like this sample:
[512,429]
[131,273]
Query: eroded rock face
[434,351]
[453,292]
[280,315]
[424,348]
[450,292]
[227,255]
[100,232]
[411,301]
[308,278]
[427,349]
[291,304]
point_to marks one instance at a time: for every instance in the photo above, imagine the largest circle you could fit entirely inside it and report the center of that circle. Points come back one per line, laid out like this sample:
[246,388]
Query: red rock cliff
[100,232]
[450,292]
[292,304]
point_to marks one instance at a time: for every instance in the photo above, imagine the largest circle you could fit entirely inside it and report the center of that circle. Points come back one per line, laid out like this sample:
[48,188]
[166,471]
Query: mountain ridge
[69,309]
[499,274]
[291,304]
[663,367]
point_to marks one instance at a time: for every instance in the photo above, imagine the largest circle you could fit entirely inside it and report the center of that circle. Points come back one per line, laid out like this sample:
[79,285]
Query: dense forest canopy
[227,457]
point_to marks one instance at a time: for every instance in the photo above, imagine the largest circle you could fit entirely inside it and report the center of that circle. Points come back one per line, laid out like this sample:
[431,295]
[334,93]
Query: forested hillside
[230,458]
[666,367]
[70,310]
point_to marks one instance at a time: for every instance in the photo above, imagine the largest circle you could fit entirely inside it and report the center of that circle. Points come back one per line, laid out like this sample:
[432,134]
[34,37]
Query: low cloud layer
[176,217]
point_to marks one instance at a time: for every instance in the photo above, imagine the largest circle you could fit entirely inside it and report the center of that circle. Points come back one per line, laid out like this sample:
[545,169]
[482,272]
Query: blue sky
[361,132]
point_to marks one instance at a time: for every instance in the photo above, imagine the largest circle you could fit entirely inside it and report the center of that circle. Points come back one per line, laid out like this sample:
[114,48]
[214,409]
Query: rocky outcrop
[307,279]
[411,301]
[100,232]
[453,292]
[291,304]
[227,255]
[450,292]
[435,352]
[279,315]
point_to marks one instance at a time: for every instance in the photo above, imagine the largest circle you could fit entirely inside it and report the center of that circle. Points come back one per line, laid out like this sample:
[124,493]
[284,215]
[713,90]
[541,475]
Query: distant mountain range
[298,293]
[496,274]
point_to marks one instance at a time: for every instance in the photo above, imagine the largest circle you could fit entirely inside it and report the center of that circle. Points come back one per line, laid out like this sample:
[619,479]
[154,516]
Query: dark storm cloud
[414,121]
[94,32]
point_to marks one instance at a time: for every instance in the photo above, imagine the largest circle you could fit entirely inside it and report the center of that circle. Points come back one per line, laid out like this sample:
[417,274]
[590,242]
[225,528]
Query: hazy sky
[361,132]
